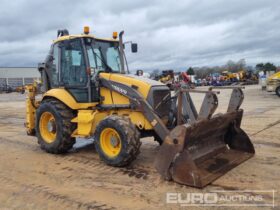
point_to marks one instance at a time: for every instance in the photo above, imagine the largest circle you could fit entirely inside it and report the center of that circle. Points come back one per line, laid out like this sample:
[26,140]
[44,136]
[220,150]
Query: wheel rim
[47,127]
[110,142]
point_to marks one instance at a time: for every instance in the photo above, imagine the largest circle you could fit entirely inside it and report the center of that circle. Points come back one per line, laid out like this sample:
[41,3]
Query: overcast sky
[170,34]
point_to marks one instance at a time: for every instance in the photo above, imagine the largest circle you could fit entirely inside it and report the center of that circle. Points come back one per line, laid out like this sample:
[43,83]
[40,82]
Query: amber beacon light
[86,30]
[115,35]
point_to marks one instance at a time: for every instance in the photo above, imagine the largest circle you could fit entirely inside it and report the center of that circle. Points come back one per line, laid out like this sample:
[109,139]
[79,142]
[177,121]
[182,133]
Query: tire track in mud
[87,168]
[85,165]
[11,121]
[95,163]
[267,127]
[48,193]
[19,144]
[92,163]
[269,144]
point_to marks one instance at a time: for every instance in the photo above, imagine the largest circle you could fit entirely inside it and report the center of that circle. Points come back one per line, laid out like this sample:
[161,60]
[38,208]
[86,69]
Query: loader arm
[138,102]
[205,148]
[173,141]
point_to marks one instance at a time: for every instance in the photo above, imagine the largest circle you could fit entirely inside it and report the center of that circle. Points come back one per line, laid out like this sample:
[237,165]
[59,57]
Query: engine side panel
[65,97]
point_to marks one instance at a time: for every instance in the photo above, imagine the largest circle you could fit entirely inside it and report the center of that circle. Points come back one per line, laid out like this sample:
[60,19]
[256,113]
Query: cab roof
[66,37]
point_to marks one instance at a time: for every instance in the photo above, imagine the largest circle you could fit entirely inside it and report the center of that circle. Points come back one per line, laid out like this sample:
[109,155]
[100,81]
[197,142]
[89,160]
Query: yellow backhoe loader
[88,92]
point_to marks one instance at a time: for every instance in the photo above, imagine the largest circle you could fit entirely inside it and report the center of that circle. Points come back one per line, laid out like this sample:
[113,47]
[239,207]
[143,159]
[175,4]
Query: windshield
[103,56]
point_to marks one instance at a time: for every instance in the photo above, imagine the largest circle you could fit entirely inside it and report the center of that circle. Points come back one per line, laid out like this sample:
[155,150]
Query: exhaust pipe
[121,51]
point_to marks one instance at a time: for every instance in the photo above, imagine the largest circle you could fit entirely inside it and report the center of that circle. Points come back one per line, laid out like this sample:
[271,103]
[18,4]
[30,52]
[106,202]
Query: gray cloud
[170,34]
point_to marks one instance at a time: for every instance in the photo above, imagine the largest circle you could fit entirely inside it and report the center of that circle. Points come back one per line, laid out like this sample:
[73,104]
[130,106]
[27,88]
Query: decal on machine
[120,90]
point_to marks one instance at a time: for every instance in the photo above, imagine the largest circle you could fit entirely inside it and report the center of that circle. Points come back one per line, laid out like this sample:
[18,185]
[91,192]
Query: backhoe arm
[31,106]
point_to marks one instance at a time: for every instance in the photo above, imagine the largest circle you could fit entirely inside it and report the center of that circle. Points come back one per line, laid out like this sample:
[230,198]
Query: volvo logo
[120,90]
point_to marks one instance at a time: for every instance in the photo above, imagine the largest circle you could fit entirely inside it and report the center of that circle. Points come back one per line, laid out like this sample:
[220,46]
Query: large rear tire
[54,127]
[117,141]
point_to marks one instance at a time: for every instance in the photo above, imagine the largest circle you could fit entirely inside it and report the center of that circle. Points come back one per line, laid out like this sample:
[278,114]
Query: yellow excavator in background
[228,76]
[249,77]
[273,83]
[88,92]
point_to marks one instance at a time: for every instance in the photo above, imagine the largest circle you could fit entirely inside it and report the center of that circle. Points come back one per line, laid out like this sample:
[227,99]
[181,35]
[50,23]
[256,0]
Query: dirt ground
[33,179]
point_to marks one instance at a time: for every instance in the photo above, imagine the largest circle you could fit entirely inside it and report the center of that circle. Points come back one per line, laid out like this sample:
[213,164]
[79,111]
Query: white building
[18,76]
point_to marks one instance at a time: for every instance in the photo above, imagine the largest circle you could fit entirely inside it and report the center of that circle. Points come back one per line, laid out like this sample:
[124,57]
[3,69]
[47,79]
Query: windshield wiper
[102,60]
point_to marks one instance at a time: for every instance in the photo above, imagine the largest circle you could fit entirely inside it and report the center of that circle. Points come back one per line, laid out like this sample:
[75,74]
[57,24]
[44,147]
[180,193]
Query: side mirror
[41,66]
[134,47]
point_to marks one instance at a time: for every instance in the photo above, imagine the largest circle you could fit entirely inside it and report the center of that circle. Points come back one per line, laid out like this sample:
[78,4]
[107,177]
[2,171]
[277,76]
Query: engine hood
[143,85]
[145,80]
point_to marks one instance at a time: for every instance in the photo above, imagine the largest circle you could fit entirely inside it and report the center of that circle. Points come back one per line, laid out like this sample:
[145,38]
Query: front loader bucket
[197,153]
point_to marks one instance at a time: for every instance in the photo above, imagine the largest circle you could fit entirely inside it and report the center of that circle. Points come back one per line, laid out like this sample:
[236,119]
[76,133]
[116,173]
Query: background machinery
[168,78]
[273,83]
[87,93]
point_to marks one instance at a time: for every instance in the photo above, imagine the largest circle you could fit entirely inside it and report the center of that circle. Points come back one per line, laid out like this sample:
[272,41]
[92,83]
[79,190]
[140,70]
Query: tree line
[231,66]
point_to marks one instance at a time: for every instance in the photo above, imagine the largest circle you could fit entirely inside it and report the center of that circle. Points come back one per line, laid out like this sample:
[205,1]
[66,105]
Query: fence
[16,82]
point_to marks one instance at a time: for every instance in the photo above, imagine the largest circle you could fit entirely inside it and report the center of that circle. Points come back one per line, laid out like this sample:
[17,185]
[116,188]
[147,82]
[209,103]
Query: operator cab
[75,61]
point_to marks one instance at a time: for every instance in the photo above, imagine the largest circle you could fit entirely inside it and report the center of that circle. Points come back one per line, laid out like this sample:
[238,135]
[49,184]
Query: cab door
[73,71]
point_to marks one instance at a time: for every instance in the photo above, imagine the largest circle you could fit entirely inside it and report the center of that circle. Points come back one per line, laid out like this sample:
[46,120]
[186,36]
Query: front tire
[117,141]
[54,127]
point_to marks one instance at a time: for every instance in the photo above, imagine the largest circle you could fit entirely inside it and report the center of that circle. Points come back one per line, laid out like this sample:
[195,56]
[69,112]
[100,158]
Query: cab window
[54,71]
[73,66]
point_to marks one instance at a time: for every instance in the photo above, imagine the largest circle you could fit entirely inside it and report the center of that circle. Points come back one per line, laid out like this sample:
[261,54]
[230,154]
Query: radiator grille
[161,102]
